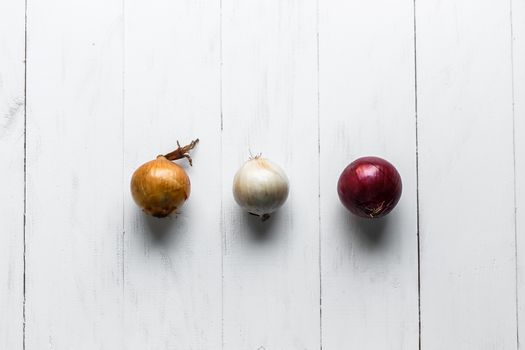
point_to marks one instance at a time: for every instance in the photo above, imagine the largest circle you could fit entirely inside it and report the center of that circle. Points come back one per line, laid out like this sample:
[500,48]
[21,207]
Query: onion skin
[370,187]
[260,187]
[160,186]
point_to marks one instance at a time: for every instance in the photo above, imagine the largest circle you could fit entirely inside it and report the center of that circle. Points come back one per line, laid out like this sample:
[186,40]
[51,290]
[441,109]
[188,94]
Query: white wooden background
[91,89]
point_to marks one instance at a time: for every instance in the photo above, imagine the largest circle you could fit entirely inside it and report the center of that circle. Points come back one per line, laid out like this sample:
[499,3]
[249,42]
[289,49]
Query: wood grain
[12,101]
[74,175]
[437,87]
[271,268]
[518,41]
[367,107]
[468,292]
[172,92]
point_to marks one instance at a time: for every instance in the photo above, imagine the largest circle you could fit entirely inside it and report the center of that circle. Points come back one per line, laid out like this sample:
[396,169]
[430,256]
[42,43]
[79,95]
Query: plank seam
[319,181]
[222,229]
[514,172]
[123,107]
[417,181]
[24,280]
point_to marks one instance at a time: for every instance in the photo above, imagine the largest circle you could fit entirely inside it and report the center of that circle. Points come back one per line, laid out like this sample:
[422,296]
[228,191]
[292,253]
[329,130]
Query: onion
[369,187]
[160,186]
[260,187]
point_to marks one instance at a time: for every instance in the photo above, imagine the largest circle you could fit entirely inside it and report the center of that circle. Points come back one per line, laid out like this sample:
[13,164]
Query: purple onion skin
[369,187]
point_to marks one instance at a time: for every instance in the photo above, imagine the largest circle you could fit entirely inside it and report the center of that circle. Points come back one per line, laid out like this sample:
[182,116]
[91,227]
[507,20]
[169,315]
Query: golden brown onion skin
[160,186]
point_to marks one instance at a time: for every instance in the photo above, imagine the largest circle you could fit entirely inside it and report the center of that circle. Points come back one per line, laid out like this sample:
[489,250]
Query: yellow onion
[160,186]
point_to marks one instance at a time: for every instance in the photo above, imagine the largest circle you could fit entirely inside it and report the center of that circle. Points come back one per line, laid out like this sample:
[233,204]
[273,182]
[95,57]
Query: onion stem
[182,152]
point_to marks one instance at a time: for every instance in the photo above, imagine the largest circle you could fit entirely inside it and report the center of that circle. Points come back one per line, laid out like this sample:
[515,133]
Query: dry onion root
[160,186]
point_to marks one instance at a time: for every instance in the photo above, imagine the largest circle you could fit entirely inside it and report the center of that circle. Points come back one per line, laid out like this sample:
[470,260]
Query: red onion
[369,187]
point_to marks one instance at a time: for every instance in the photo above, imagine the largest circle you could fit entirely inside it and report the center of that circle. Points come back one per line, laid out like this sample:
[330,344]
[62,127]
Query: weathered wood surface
[436,87]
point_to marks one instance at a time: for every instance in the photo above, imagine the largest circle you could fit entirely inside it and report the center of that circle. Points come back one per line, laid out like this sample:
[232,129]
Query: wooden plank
[74,175]
[468,293]
[172,92]
[271,269]
[12,99]
[367,107]
[518,30]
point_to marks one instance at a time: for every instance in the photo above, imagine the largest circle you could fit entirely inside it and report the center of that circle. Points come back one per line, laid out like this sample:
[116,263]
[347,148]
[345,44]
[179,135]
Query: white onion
[260,187]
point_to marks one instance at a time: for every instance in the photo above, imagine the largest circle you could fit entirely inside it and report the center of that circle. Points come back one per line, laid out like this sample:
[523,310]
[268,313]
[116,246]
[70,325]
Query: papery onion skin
[260,187]
[160,187]
[370,187]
